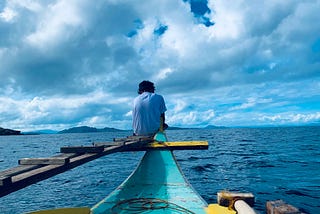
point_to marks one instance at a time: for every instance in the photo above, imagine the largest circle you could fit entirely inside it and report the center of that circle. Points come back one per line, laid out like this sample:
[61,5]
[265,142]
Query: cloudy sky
[66,63]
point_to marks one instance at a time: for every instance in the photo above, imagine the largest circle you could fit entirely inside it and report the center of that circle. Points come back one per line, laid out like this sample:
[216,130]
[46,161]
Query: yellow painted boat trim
[217,209]
[176,144]
[73,210]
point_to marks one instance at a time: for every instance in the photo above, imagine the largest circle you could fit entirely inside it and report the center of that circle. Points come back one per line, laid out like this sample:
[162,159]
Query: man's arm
[163,125]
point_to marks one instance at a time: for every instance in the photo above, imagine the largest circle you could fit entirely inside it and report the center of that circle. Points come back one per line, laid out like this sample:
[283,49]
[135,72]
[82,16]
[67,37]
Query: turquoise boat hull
[156,186]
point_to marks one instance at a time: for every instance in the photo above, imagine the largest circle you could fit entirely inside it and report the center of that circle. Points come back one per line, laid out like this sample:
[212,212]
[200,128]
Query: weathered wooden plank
[17,170]
[119,139]
[134,138]
[35,173]
[66,155]
[107,144]
[5,180]
[127,143]
[44,161]
[281,207]
[82,149]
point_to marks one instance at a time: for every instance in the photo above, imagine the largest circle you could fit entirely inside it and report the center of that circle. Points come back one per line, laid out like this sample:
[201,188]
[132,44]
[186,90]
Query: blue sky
[68,63]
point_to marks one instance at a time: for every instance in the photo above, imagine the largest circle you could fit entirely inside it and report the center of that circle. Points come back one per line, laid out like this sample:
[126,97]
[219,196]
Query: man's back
[147,109]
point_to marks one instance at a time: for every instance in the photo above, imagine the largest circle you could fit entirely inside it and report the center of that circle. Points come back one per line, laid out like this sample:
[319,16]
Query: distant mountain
[214,127]
[107,129]
[9,132]
[87,129]
[207,127]
[81,129]
[176,128]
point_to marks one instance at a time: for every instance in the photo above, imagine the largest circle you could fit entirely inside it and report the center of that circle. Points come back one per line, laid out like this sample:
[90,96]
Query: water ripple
[272,163]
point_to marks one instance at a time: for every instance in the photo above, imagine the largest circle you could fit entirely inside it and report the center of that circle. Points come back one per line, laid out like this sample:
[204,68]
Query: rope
[140,205]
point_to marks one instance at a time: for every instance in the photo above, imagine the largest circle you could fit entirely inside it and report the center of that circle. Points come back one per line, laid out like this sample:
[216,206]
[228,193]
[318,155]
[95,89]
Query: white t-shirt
[147,109]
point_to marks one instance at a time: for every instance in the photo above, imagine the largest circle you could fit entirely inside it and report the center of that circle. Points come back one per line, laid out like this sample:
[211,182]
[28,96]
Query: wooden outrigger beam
[33,170]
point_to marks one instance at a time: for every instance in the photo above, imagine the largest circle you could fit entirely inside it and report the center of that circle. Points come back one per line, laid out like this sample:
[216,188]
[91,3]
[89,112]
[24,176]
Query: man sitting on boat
[148,110]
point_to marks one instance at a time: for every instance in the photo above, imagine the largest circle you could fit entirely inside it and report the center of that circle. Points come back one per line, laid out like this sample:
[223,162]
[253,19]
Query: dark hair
[146,86]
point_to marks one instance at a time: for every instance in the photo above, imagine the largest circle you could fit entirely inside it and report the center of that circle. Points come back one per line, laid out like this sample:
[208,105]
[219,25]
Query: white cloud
[32,5]
[75,62]
[8,14]
[128,114]
[77,110]
[163,74]
[191,118]
[229,26]
[179,105]
[251,102]
[58,24]
[292,118]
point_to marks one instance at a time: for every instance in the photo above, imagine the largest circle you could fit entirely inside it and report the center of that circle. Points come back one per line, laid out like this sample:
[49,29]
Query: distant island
[9,132]
[207,127]
[87,129]
[214,127]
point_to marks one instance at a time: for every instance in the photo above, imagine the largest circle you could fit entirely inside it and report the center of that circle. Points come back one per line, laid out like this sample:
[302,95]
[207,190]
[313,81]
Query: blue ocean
[272,163]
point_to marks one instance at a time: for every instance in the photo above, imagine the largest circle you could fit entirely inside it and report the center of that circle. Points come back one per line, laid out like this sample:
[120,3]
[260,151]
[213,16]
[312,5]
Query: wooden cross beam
[33,170]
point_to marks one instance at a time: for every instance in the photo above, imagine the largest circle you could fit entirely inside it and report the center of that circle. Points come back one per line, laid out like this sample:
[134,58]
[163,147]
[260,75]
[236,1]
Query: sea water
[272,163]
